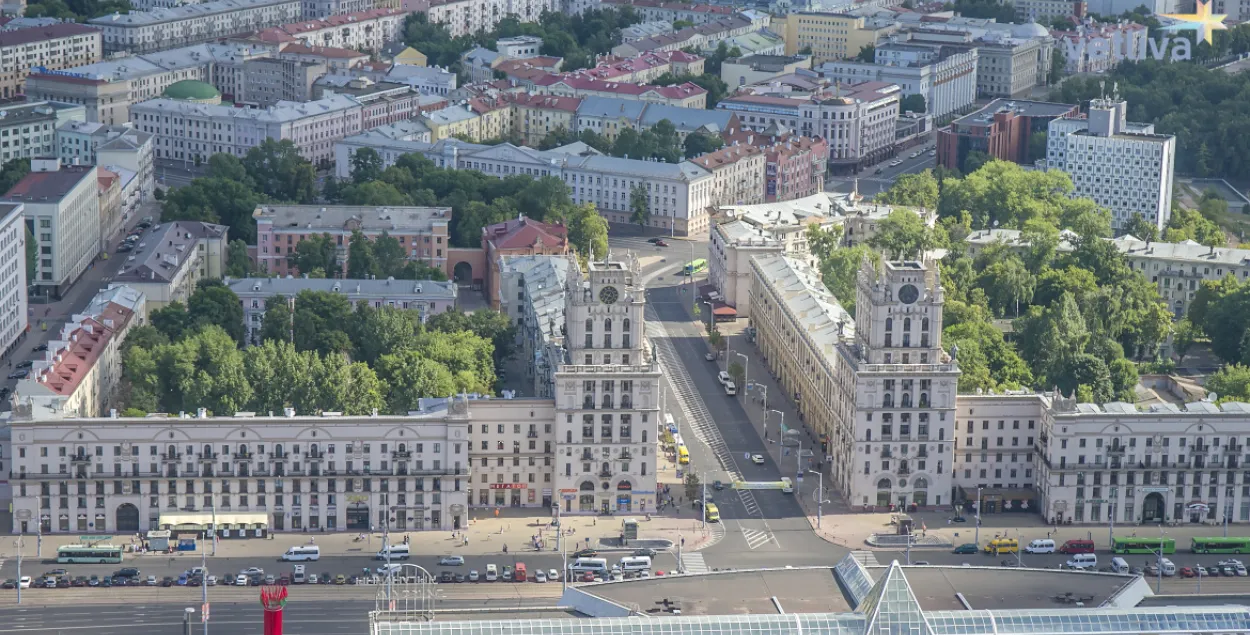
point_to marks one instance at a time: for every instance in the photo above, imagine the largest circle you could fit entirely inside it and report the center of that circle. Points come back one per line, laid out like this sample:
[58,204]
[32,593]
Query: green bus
[1137,544]
[694,266]
[87,554]
[1220,545]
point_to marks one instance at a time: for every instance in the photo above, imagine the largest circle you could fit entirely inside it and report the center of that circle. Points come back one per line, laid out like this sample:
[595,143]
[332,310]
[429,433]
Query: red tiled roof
[521,233]
[727,155]
[89,341]
[305,26]
[578,81]
[323,51]
[51,186]
[551,102]
[677,6]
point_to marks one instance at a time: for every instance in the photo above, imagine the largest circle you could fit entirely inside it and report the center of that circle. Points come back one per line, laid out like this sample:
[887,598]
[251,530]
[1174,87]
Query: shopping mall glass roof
[884,607]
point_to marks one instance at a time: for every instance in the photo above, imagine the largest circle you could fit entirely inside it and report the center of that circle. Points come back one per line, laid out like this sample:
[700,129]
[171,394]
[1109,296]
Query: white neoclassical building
[267,472]
[164,28]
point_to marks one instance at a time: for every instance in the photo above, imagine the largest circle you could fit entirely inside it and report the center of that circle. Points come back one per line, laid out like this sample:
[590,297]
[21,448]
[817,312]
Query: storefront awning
[204,520]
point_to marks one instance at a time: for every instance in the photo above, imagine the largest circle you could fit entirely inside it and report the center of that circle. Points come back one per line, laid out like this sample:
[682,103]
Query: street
[871,183]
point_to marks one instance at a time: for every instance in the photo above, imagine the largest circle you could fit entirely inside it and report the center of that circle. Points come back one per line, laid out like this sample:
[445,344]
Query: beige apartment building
[737,174]
[833,36]
[50,48]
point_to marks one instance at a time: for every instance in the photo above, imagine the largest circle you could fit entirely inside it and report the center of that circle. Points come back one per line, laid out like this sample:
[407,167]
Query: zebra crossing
[755,538]
[692,562]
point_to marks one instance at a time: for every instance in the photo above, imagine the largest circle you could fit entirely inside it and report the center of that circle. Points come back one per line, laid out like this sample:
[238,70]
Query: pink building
[795,166]
[421,231]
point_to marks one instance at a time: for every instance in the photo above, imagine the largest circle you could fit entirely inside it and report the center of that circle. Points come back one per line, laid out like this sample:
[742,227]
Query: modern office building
[425,297]
[1002,130]
[422,231]
[158,29]
[1124,167]
[62,208]
[167,264]
[945,76]
[45,48]
[13,318]
[78,375]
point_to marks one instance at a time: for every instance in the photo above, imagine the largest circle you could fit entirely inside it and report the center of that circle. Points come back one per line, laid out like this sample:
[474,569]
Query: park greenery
[576,38]
[659,142]
[75,10]
[272,172]
[322,355]
[476,199]
[1025,314]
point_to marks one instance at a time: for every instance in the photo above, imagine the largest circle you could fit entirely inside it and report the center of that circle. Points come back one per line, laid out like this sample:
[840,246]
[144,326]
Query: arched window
[868,435]
[883,484]
[607,325]
[921,483]
[312,449]
[625,325]
[208,450]
[277,449]
[889,324]
[242,448]
[588,402]
[590,326]
[607,468]
[906,324]
[171,450]
[924,400]
[626,402]
[924,325]
[887,401]
[607,401]
[906,400]
[403,447]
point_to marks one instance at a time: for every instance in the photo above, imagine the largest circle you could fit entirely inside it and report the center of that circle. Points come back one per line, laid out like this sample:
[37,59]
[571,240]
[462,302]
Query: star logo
[1201,20]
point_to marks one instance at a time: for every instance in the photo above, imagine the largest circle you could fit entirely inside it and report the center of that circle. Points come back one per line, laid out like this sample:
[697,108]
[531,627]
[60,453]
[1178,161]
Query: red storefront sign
[508,486]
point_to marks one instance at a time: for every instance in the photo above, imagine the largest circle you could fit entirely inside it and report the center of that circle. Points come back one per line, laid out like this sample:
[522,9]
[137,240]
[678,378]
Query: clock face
[908,293]
[608,295]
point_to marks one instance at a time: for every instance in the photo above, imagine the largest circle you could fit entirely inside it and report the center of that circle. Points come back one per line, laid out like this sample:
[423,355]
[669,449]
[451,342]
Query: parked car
[250,571]
[540,576]
[24,582]
[553,576]
[967,547]
[451,561]
[1186,572]
[474,576]
[723,377]
[152,580]
[340,579]
[459,578]
[94,580]
[445,577]
[240,580]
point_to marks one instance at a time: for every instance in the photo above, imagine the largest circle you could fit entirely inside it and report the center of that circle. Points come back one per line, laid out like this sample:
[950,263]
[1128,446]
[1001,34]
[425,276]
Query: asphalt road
[871,183]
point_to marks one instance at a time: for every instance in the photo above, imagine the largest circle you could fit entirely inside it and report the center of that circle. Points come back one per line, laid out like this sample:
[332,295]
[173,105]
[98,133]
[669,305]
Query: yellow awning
[205,519]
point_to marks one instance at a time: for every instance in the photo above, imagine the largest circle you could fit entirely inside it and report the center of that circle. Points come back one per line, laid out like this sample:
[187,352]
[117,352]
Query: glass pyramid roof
[891,607]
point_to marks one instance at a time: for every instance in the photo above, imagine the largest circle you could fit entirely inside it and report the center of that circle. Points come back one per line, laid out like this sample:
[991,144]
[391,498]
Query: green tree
[372,193]
[469,358]
[366,165]
[868,54]
[238,262]
[230,168]
[902,235]
[912,103]
[172,320]
[32,256]
[410,377]
[1184,334]
[588,232]
[380,330]
[639,205]
[737,373]
[276,325]
[1230,383]
[216,304]
[1007,283]
[494,327]
[1058,62]
[974,161]
[694,487]
[320,322]
[280,172]
[360,259]
[12,172]
[839,266]
[1140,227]
[316,252]
[700,143]
[215,200]
[986,360]
[915,190]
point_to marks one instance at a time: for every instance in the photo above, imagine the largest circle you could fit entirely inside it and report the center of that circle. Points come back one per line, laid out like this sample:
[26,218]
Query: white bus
[593,565]
[302,553]
[397,552]
[635,563]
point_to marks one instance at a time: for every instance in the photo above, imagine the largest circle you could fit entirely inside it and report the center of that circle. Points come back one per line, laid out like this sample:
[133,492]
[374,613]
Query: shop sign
[507,486]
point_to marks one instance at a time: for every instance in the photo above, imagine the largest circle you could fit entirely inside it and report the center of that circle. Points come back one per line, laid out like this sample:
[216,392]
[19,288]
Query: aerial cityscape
[474,317]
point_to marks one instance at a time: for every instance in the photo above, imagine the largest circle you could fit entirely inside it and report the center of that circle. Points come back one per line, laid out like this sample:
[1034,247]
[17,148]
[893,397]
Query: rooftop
[184,12]
[289,286]
[727,155]
[345,218]
[281,112]
[127,67]
[1021,107]
[580,80]
[160,255]
[808,301]
[83,339]
[50,186]
[18,37]
[551,102]
[794,212]
[22,113]
[299,48]
[544,280]
[522,232]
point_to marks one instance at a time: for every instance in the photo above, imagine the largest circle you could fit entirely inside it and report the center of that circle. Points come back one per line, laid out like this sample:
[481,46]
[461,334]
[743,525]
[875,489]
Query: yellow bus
[683,455]
[713,513]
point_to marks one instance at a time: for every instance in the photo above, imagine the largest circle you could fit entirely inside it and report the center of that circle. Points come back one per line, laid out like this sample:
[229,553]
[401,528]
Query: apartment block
[158,29]
[833,36]
[422,231]
[369,30]
[466,17]
[13,319]
[62,208]
[519,237]
[578,84]
[29,129]
[737,174]
[701,37]
[1001,129]
[267,81]
[945,76]
[167,264]
[47,48]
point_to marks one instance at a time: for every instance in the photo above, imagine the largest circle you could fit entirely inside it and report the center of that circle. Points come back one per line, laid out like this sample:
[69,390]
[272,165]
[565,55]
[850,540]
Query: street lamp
[820,494]
[711,323]
[746,367]
[19,544]
[782,428]
[976,536]
[765,389]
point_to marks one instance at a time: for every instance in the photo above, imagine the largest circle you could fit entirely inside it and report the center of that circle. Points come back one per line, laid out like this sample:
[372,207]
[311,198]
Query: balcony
[315,455]
[886,453]
[279,456]
[625,455]
[168,457]
[533,434]
[1234,449]
[80,458]
[605,473]
[1117,450]
[208,457]
[401,455]
[587,455]
[244,456]
[903,471]
[923,452]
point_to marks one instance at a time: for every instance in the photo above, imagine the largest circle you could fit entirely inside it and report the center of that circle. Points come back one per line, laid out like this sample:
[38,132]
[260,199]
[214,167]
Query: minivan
[397,552]
[1002,545]
[593,565]
[1169,569]
[1083,561]
[1077,546]
[1041,545]
[298,577]
[302,553]
[492,573]
[635,563]
[1119,565]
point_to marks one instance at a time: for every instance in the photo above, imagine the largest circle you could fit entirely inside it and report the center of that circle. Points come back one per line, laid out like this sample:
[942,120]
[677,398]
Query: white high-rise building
[1122,166]
[12,275]
[607,394]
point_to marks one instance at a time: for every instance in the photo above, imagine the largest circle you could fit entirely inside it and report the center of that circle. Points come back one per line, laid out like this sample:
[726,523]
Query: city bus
[694,266]
[1137,544]
[84,554]
[1220,545]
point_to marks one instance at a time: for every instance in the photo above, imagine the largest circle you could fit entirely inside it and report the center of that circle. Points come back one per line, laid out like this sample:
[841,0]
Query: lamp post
[711,323]
[746,368]
[976,539]
[186,620]
[820,494]
[1111,517]
[729,354]
[19,544]
[782,428]
[765,389]
[703,500]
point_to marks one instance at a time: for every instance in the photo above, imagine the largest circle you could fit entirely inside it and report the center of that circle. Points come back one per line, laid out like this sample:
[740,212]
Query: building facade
[425,297]
[62,207]
[13,318]
[28,130]
[519,237]
[945,76]
[1002,129]
[1121,166]
[167,265]
[49,48]
[157,29]
[738,174]
[833,36]
[276,473]
[267,81]
[368,30]
[422,231]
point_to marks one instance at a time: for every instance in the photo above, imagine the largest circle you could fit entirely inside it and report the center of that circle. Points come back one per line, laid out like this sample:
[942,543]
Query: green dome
[192,90]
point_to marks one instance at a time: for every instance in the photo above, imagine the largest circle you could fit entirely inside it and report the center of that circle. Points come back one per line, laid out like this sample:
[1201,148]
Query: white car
[474,576]
[24,582]
[757,459]
[553,575]
[241,580]
[644,574]
[250,571]
[312,579]
[540,576]
[731,388]
[210,580]
[451,561]
[711,357]
[723,377]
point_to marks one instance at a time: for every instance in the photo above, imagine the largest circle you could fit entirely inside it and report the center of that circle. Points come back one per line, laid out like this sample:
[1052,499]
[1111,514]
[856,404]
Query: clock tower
[905,387]
[607,394]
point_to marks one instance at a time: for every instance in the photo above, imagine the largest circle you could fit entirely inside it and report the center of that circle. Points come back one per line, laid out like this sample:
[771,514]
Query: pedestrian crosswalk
[756,538]
[692,562]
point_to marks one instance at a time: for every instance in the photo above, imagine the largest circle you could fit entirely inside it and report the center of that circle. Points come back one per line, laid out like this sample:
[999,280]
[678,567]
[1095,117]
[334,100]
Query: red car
[588,577]
[1186,572]
[284,581]
[660,243]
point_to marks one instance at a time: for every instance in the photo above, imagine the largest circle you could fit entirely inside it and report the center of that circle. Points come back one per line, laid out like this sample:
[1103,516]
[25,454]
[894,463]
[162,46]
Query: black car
[167,581]
[586,553]
[126,572]
[446,576]
[26,363]
[653,240]
[20,373]
[63,582]
[41,348]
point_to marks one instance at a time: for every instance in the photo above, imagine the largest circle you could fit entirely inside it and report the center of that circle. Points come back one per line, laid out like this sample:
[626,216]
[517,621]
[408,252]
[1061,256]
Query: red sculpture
[273,600]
